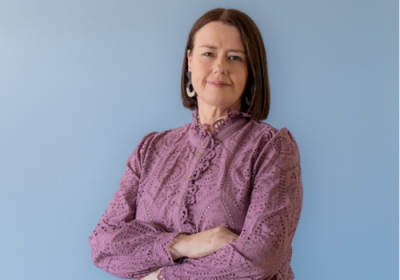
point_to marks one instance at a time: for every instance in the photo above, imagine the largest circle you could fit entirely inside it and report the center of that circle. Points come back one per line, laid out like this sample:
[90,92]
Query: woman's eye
[234,57]
[207,54]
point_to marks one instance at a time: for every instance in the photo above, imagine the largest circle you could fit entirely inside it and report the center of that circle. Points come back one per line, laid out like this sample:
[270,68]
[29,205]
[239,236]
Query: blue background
[81,82]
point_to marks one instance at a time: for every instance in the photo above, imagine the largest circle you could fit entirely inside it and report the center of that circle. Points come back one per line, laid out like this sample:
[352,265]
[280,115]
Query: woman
[220,197]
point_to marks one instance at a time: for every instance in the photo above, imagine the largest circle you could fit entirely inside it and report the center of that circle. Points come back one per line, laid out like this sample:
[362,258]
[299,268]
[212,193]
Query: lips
[218,83]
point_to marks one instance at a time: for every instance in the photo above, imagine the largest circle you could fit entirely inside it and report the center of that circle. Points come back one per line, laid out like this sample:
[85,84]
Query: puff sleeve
[120,244]
[263,248]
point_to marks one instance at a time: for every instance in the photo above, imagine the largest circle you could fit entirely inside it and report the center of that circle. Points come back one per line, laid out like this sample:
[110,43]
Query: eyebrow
[214,48]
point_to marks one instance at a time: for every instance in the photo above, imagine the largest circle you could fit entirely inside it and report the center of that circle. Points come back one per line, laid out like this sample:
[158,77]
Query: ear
[189,58]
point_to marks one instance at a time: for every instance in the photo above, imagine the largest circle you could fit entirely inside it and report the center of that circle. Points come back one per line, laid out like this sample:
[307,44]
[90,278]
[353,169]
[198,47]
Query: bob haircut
[257,88]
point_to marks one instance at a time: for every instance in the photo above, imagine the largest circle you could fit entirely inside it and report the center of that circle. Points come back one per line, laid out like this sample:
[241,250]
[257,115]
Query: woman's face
[219,66]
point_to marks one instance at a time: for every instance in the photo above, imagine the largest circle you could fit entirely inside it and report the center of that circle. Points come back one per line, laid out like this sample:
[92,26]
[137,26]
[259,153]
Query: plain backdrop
[81,82]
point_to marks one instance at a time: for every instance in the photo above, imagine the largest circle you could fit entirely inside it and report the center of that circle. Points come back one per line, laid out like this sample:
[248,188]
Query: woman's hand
[152,276]
[207,242]
[197,245]
[201,244]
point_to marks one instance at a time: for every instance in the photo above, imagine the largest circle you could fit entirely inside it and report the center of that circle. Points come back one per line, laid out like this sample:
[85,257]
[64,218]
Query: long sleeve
[263,248]
[120,244]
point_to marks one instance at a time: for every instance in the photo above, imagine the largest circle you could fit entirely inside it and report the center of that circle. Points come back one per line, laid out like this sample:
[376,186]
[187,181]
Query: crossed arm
[197,245]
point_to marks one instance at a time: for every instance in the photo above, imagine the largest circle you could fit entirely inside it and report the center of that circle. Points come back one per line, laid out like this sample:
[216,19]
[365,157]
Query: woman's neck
[207,115]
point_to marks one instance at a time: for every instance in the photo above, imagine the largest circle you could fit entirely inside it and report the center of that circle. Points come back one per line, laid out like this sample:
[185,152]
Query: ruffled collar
[221,128]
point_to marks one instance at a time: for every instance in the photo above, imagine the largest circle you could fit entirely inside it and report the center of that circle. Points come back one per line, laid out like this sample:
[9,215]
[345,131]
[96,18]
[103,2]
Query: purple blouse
[245,175]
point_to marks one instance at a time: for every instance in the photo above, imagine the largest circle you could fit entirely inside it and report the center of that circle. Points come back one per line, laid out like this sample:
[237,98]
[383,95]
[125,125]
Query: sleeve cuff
[161,253]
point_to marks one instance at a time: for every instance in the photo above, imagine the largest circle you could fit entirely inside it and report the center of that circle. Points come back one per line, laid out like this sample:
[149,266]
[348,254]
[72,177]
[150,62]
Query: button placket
[204,154]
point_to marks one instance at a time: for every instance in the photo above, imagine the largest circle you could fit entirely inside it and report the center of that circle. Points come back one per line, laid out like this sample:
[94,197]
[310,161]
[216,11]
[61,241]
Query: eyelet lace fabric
[204,162]
[244,175]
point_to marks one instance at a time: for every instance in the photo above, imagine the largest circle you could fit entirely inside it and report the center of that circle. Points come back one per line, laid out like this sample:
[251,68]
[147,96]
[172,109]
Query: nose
[220,66]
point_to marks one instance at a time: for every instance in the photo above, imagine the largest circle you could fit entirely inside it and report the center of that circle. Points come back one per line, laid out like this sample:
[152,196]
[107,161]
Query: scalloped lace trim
[217,126]
[190,199]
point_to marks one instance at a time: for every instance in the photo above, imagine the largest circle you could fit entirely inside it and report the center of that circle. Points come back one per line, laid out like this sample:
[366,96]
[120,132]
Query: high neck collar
[220,129]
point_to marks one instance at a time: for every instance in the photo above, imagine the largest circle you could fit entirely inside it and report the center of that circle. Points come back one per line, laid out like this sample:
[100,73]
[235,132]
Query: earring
[188,92]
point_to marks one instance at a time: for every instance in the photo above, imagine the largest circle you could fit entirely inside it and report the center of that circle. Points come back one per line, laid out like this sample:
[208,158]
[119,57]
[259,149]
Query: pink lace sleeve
[263,248]
[121,245]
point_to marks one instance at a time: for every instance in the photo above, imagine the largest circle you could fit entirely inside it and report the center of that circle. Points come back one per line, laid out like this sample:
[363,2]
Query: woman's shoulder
[157,143]
[267,133]
[173,134]
[167,137]
[270,143]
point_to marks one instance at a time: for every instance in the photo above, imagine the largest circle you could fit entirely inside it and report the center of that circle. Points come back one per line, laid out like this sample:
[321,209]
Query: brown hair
[257,89]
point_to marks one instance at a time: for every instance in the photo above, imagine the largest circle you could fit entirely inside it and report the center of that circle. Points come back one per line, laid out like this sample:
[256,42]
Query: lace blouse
[245,175]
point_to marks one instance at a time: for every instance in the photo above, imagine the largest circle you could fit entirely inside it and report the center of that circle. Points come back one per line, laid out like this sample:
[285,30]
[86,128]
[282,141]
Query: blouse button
[202,144]
[188,178]
[177,203]
[198,155]
[179,230]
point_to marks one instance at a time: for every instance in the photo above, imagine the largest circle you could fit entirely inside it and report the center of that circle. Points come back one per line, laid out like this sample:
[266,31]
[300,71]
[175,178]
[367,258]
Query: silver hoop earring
[188,92]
